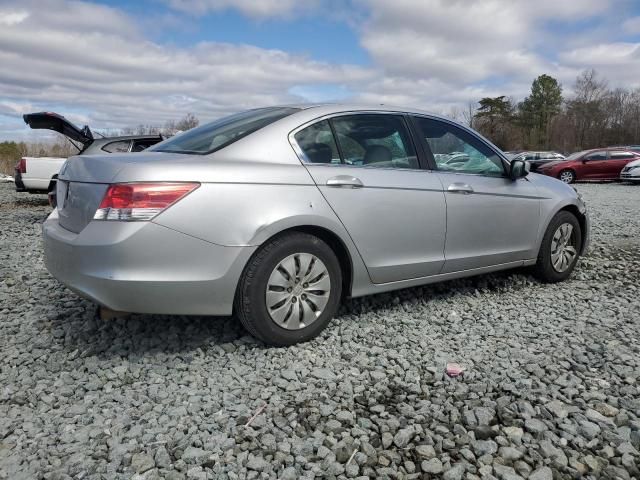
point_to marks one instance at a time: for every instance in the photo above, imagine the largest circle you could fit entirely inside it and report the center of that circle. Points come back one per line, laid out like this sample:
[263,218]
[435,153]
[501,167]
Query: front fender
[557,196]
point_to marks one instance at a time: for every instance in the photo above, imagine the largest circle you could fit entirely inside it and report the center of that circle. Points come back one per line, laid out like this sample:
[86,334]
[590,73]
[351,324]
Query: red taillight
[140,201]
[21,166]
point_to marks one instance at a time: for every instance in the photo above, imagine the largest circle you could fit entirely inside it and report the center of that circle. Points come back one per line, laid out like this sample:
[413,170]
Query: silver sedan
[276,214]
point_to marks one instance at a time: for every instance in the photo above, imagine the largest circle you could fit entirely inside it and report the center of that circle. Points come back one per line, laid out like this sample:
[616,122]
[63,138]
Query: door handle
[345,181]
[460,188]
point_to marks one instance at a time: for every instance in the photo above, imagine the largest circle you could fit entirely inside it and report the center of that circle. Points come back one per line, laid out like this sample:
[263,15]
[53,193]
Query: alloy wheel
[563,248]
[298,291]
[566,177]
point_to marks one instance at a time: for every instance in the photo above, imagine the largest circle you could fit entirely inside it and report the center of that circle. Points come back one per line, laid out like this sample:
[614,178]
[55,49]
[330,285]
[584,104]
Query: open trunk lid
[53,121]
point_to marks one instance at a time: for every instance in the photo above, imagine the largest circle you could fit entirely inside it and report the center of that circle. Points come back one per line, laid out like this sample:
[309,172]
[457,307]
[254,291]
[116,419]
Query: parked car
[38,175]
[276,214]
[5,178]
[536,159]
[597,164]
[633,148]
[510,154]
[631,172]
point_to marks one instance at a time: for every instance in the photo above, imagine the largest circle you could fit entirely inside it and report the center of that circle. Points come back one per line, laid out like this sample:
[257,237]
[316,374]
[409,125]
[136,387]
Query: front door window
[455,150]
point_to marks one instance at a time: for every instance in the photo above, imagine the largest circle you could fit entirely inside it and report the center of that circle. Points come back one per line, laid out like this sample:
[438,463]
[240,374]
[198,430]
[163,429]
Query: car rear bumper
[143,267]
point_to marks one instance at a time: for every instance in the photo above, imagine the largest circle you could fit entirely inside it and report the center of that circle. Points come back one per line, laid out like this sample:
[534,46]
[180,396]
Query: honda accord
[276,214]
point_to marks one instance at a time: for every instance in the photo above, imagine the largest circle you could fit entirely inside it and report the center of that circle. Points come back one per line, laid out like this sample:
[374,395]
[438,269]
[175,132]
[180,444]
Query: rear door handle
[345,181]
[460,188]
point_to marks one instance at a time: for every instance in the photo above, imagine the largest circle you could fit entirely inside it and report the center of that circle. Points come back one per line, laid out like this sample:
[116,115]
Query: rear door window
[375,140]
[120,146]
[622,155]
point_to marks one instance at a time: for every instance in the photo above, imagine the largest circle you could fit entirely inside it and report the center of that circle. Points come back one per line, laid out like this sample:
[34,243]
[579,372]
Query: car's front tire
[290,289]
[560,248]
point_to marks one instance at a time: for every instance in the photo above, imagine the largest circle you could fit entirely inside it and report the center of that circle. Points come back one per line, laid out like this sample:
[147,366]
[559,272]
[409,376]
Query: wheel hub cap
[566,177]
[563,250]
[298,291]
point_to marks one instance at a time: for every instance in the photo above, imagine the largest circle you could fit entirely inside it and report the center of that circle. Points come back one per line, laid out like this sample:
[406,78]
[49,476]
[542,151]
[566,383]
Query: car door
[618,160]
[595,165]
[491,219]
[367,169]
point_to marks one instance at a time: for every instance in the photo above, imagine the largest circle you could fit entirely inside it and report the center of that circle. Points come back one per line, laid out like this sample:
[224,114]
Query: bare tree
[187,122]
[587,109]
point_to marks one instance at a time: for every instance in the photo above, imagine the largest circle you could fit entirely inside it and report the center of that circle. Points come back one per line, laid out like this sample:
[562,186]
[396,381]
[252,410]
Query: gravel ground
[551,387]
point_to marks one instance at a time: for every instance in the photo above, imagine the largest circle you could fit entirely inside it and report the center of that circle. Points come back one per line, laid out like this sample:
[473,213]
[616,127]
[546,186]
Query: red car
[598,164]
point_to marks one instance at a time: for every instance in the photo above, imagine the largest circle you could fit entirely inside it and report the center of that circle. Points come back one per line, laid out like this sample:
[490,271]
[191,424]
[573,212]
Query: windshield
[573,156]
[222,132]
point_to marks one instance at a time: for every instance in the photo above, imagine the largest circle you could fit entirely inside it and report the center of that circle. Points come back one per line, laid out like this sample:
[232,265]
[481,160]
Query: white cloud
[466,41]
[252,8]
[619,61]
[12,18]
[94,64]
[117,78]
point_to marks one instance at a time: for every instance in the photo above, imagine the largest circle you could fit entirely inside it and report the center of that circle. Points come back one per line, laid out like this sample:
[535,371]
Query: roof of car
[341,107]
[626,149]
[311,111]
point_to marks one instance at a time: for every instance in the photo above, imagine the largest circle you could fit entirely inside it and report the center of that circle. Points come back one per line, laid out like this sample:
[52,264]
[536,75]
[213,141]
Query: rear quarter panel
[246,203]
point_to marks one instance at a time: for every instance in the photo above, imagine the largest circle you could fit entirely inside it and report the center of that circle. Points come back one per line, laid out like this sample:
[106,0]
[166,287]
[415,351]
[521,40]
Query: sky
[113,64]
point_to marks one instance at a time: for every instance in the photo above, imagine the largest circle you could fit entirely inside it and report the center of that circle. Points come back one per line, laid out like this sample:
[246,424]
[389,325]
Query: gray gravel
[551,387]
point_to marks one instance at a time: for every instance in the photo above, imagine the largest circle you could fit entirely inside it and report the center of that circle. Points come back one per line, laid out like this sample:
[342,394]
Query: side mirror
[519,169]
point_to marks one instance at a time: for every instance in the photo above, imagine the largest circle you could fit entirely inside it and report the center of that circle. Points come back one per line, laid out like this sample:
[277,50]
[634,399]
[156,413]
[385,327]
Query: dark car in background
[596,164]
[536,159]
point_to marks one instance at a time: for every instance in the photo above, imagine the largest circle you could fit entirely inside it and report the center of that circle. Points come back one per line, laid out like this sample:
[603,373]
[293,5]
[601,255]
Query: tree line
[593,116]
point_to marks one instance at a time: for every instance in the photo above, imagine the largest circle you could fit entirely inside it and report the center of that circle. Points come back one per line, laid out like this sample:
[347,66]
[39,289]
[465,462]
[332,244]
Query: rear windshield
[222,132]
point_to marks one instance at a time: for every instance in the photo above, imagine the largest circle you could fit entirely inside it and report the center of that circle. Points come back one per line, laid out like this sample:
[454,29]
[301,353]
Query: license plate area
[62,189]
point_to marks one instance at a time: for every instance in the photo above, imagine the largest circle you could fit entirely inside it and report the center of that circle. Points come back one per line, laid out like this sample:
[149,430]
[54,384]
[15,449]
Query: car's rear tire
[567,176]
[560,248]
[289,290]
[51,191]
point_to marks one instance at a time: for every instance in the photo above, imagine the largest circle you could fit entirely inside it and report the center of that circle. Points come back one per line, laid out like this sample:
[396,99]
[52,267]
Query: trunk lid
[82,182]
[53,121]
[77,203]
